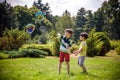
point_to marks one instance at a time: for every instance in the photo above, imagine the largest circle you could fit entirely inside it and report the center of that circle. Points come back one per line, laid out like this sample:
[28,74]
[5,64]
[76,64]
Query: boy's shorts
[65,56]
[81,60]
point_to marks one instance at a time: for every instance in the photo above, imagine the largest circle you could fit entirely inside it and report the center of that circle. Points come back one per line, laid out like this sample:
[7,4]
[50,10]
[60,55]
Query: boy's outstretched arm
[78,51]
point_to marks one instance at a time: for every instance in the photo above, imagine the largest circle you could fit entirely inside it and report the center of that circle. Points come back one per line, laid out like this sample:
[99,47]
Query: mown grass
[99,68]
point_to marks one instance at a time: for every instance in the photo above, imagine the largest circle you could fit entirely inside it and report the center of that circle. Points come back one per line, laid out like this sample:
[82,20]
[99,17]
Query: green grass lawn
[99,68]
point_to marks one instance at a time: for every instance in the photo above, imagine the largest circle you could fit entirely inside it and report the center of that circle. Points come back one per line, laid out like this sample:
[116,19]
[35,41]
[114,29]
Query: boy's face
[82,38]
[67,34]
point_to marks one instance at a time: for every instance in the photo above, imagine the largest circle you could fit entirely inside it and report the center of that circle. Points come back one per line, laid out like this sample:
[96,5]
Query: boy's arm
[78,51]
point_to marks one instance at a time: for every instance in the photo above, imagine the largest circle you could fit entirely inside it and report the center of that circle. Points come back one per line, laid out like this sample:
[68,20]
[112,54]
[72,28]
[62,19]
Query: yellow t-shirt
[83,45]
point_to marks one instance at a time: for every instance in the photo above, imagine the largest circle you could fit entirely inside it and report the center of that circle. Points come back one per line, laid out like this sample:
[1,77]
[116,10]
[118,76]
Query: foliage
[32,53]
[8,18]
[40,39]
[13,53]
[24,16]
[81,19]
[54,39]
[98,44]
[44,47]
[118,50]
[64,22]
[3,55]
[115,44]
[74,47]
[13,39]
[110,14]
[44,8]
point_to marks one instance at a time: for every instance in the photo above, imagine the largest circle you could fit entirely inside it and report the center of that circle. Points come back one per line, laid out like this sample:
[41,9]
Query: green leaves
[13,39]
[98,43]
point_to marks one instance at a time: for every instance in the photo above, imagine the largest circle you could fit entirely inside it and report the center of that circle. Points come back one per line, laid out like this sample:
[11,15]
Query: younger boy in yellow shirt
[82,51]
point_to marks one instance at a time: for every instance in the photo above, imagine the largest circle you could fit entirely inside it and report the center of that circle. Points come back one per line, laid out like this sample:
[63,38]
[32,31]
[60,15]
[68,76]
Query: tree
[98,43]
[7,17]
[80,23]
[45,8]
[24,15]
[114,19]
[90,23]
[64,22]
[110,12]
[81,19]
[99,20]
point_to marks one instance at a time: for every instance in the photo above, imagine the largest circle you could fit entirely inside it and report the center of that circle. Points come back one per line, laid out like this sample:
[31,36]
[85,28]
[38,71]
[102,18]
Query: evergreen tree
[99,20]
[64,22]
[90,23]
[8,19]
[24,16]
[111,12]
[45,8]
[81,19]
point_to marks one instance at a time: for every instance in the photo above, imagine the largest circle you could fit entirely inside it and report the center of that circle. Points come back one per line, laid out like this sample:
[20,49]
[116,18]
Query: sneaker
[84,72]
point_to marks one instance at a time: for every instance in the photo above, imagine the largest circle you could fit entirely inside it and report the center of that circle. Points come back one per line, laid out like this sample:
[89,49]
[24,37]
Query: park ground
[99,68]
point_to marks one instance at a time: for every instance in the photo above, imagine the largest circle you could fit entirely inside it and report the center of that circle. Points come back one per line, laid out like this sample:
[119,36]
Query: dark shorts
[81,60]
[65,56]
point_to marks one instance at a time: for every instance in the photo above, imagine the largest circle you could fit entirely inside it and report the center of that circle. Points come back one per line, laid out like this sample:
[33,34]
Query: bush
[55,42]
[43,47]
[13,39]
[13,54]
[118,50]
[74,47]
[114,44]
[3,55]
[33,53]
[98,43]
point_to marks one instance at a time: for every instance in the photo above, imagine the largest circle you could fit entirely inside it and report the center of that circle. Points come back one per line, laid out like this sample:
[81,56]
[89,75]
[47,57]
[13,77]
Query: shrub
[13,39]
[33,53]
[98,43]
[115,44]
[74,47]
[54,40]
[3,55]
[118,50]
[13,54]
[44,47]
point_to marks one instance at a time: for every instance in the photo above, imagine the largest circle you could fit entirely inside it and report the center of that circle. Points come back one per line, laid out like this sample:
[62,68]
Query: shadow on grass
[85,74]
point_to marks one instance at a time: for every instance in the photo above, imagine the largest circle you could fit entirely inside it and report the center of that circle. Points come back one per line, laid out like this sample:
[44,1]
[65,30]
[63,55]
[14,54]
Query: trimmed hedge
[33,53]
[44,47]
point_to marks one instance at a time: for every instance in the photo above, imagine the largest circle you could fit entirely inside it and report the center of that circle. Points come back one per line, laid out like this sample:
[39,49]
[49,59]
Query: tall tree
[111,12]
[99,20]
[81,19]
[45,8]
[64,22]
[89,21]
[80,22]
[7,17]
[24,16]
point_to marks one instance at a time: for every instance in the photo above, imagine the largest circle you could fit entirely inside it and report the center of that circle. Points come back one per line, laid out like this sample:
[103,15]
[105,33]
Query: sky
[59,6]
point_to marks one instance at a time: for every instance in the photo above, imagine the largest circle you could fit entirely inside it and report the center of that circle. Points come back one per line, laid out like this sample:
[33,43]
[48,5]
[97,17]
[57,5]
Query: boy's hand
[76,54]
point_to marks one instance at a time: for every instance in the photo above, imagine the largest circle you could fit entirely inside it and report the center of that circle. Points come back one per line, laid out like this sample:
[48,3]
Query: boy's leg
[81,63]
[60,61]
[67,59]
[60,65]
[68,67]
[83,68]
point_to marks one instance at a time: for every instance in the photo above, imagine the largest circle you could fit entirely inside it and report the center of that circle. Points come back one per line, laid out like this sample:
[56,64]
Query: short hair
[84,34]
[69,31]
